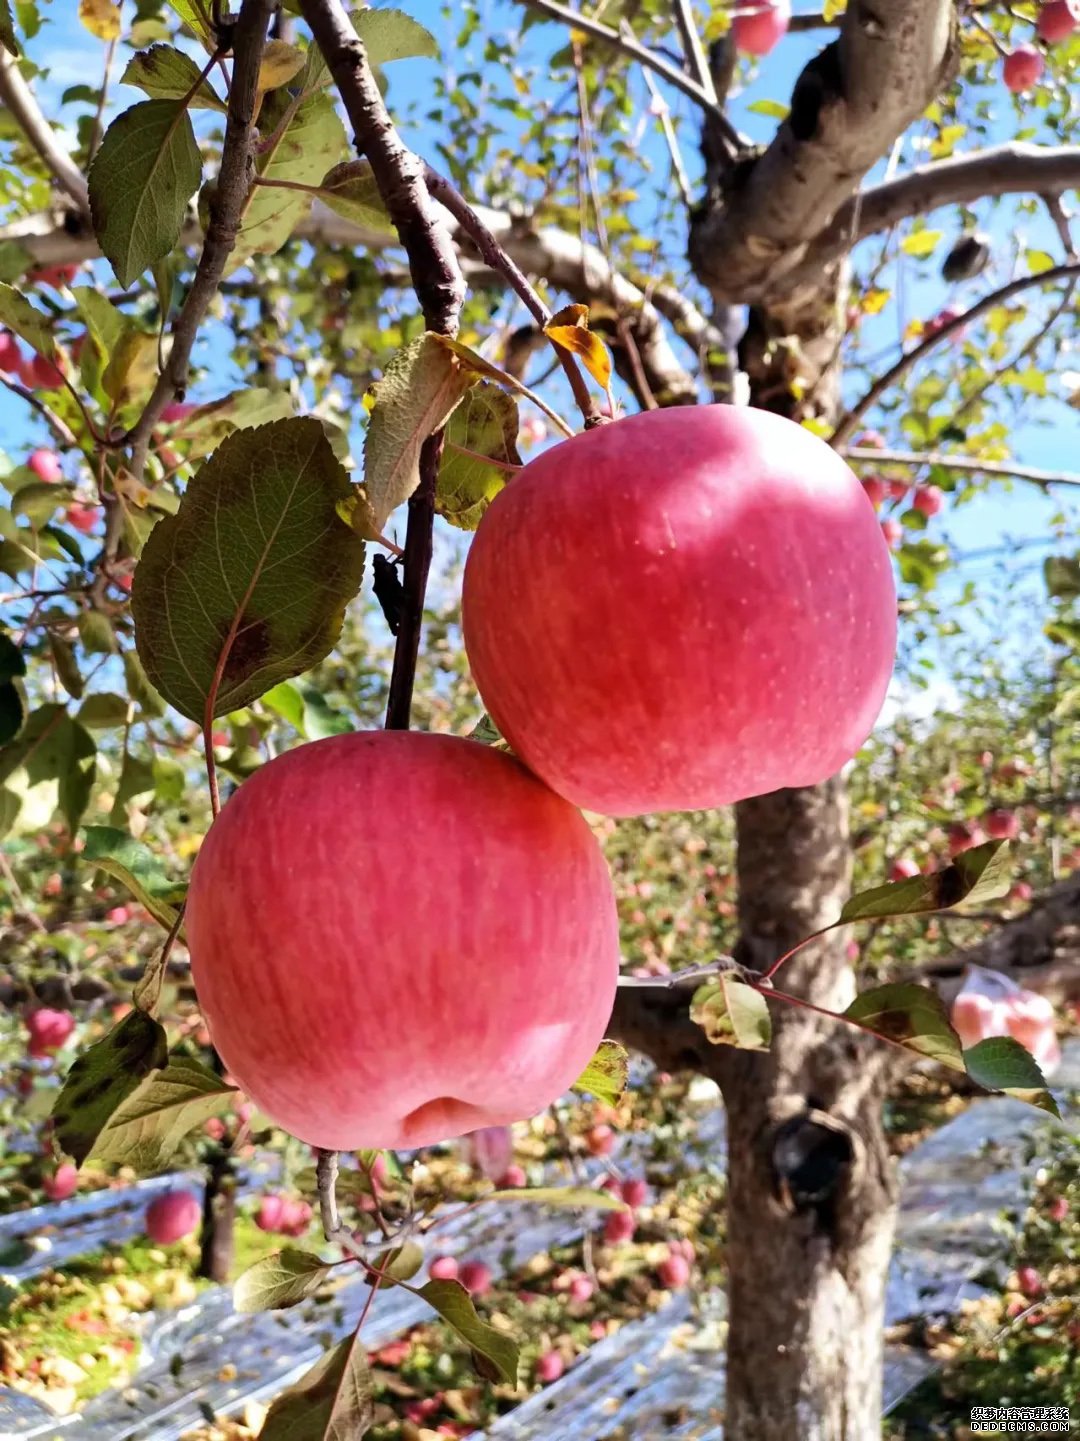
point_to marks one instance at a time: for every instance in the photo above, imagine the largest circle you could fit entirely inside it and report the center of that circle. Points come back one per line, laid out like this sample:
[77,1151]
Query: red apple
[929,499]
[118,916]
[892,531]
[875,490]
[176,411]
[1029,1281]
[758,25]
[443,1268]
[375,1015]
[962,835]
[898,489]
[749,529]
[82,517]
[214,1127]
[1021,891]
[475,1277]
[48,1030]
[903,869]
[581,1289]
[11,359]
[1023,69]
[171,1217]
[63,1182]
[549,1367]
[270,1210]
[513,1178]
[295,1218]
[619,1226]
[1001,824]
[673,1272]
[55,275]
[600,1141]
[38,373]
[45,464]
[635,1192]
[1057,1210]
[1057,20]
[870,440]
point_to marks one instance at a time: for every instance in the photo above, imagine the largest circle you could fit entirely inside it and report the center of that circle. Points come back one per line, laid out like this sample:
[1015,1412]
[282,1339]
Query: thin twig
[866,456]
[99,115]
[58,427]
[17,97]
[696,59]
[851,419]
[671,73]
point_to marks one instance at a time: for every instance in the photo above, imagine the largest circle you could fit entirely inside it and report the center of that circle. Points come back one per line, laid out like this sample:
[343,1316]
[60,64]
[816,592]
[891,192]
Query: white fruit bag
[990,1004]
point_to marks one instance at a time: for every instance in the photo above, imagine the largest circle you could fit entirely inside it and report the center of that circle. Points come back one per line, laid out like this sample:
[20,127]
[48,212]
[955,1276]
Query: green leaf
[39,500]
[208,426]
[137,868]
[572,1198]
[773,108]
[247,584]
[606,1075]
[332,1402]
[146,1130]
[279,1281]
[731,1013]
[105,322]
[311,142]
[7,30]
[96,634]
[1062,576]
[306,710]
[1002,1064]
[144,174]
[485,425]
[392,35]
[921,242]
[103,1077]
[349,189]
[399,1264]
[28,323]
[164,73]
[280,63]
[454,1305]
[979,874]
[132,369]
[67,667]
[913,1016]
[422,385]
[139,686]
[196,16]
[137,778]
[53,747]
[104,710]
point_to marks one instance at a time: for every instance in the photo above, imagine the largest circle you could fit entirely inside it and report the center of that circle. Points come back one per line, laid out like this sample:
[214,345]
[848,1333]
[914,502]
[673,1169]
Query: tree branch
[693,49]
[19,99]
[867,456]
[226,210]
[671,73]
[850,421]
[439,285]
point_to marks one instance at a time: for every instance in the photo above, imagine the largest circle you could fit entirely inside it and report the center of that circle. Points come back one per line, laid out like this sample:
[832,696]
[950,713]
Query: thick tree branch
[17,97]
[226,210]
[867,456]
[437,280]
[850,421]
[847,108]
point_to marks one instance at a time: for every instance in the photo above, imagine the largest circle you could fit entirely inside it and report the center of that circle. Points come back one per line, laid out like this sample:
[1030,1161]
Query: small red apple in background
[475,1277]
[1057,19]
[758,25]
[581,1289]
[48,1030]
[532,431]
[118,916]
[406,994]
[945,316]
[903,869]
[600,1141]
[176,411]
[1021,891]
[443,1268]
[1058,1209]
[875,490]
[82,517]
[1013,769]
[490,1149]
[898,489]
[851,951]
[745,525]
[269,1214]
[635,1192]
[513,1178]
[549,1367]
[929,499]
[45,464]
[619,1226]
[63,1182]
[893,532]
[673,1272]
[870,440]
[214,1127]
[1023,69]
[171,1217]
[1001,824]
[11,358]
[1029,1281]
[41,374]
[962,835]
[54,275]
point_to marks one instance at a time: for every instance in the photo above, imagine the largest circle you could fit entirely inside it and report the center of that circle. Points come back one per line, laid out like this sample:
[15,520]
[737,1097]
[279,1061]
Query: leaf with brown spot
[102,1079]
[977,875]
[247,584]
[911,1016]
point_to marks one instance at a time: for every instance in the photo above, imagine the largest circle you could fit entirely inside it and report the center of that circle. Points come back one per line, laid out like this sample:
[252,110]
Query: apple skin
[63,1182]
[903,869]
[443,1268]
[82,517]
[892,532]
[1001,825]
[635,1192]
[761,25]
[397,938]
[45,464]
[681,609]
[475,1277]
[963,835]
[581,1289]
[171,1217]
[929,499]
[1023,69]
[55,275]
[619,1226]
[176,411]
[512,1179]
[1057,20]
[48,1031]
[549,1367]
[41,374]
[875,490]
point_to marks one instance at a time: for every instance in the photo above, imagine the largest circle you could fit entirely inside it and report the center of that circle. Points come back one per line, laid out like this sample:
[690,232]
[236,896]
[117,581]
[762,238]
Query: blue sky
[74,57]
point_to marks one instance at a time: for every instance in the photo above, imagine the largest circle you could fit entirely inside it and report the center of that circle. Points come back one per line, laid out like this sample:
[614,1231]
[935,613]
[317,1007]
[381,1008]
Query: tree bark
[216,1237]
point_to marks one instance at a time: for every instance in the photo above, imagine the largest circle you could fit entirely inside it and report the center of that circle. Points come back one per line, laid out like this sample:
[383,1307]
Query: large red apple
[1057,20]
[760,24]
[171,1217]
[1023,69]
[397,938]
[682,609]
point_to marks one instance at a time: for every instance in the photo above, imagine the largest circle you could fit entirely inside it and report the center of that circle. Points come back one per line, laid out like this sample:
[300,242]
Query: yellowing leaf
[132,371]
[280,62]
[479,457]
[570,329]
[101,18]
[874,301]
[921,242]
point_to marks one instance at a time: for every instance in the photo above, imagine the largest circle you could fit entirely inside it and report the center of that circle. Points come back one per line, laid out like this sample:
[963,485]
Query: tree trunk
[216,1239]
